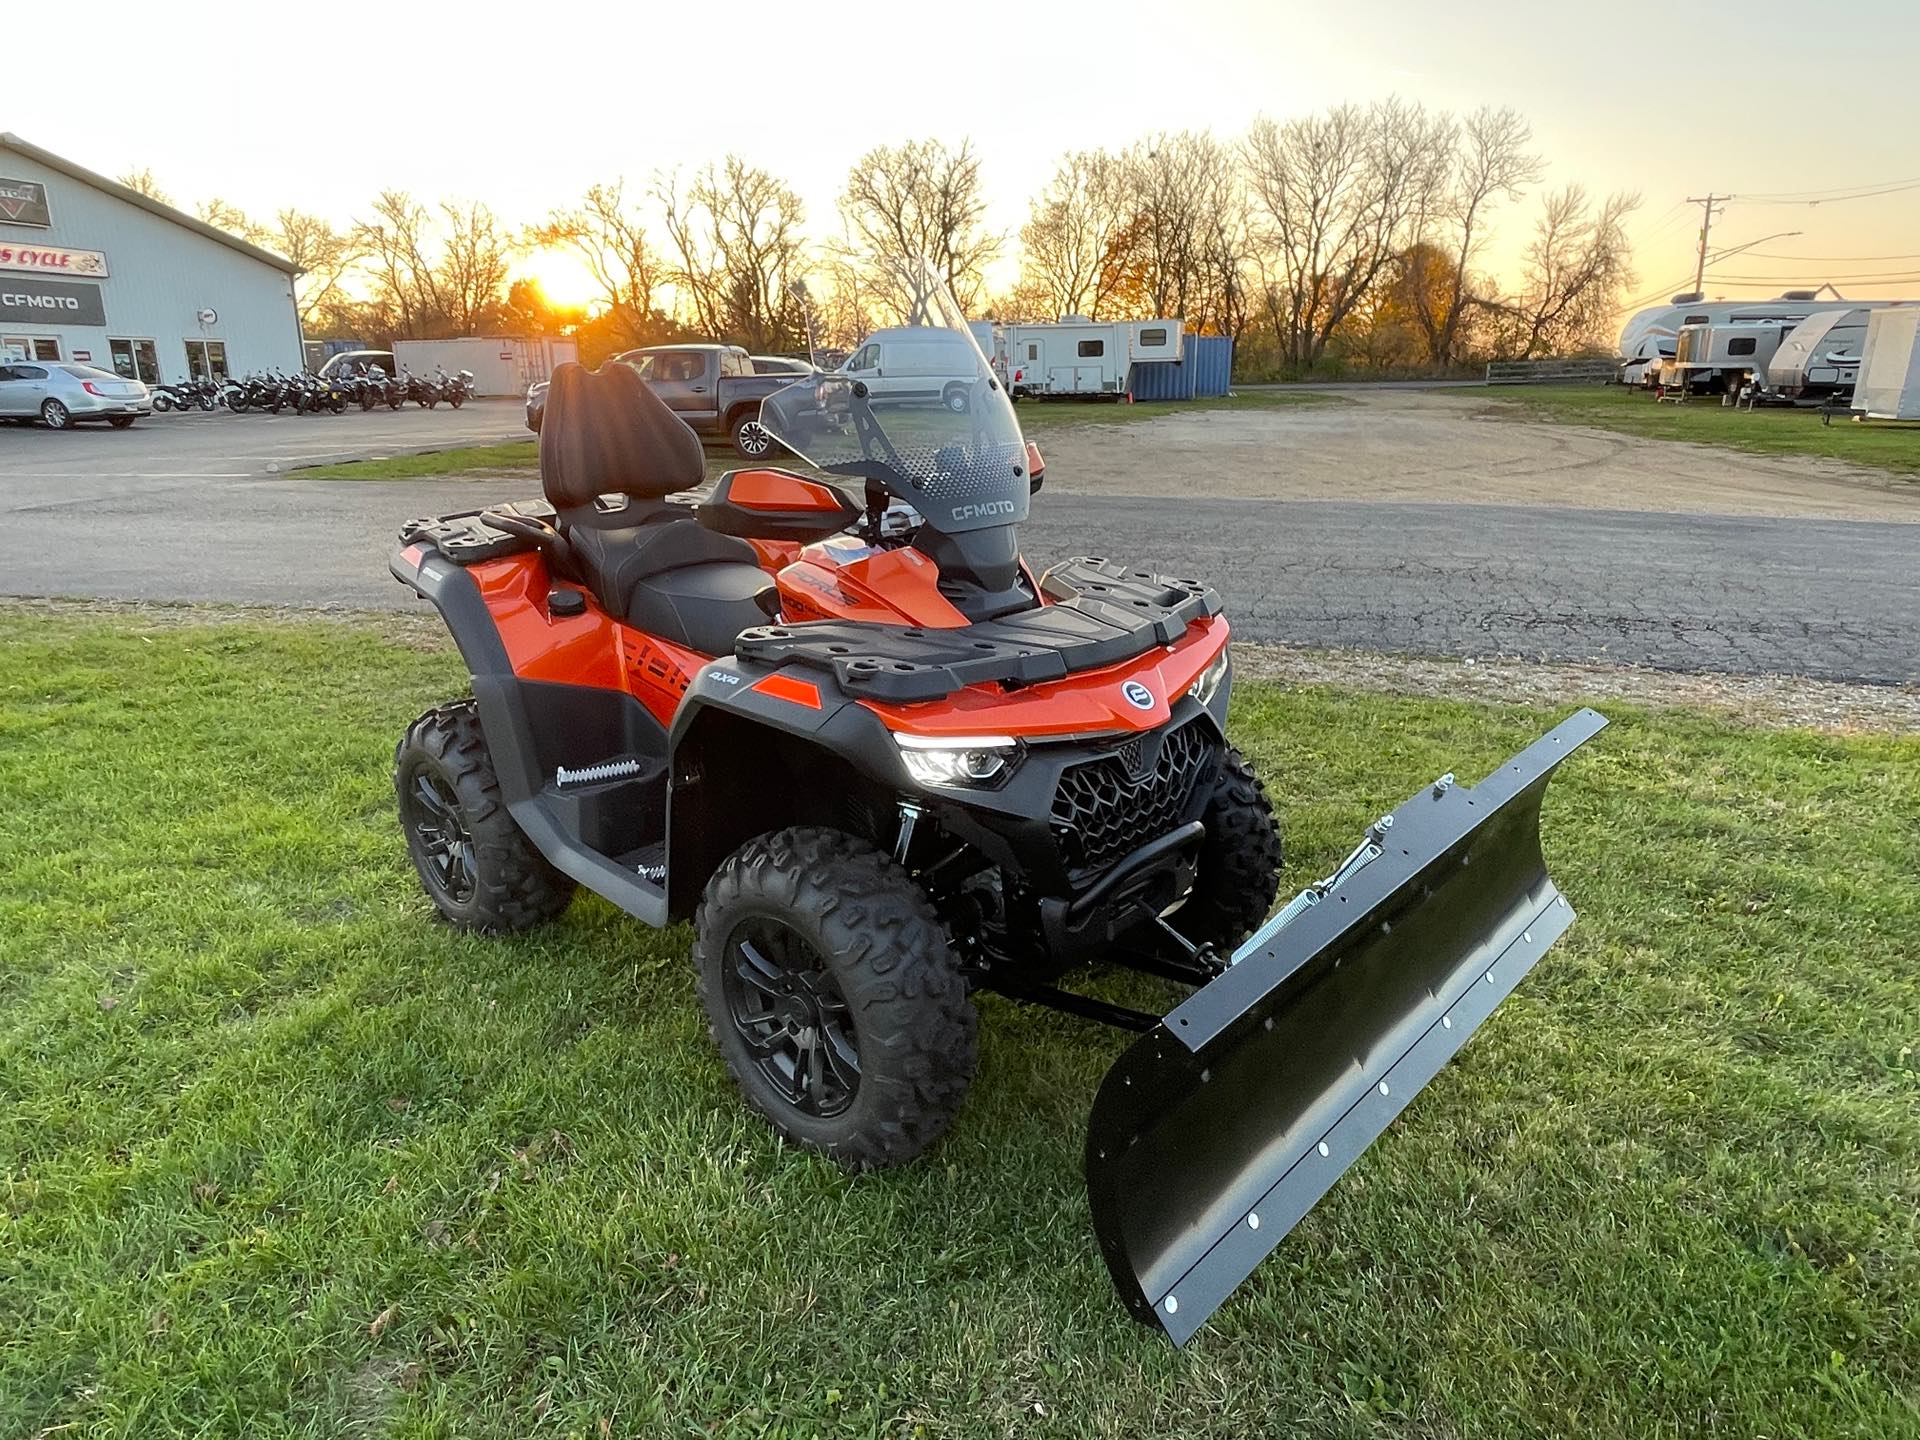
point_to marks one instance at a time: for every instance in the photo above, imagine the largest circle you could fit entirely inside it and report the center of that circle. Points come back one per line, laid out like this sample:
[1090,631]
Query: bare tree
[394,244]
[472,271]
[1574,269]
[1338,197]
[1183,249]
[1490,162]
[610,238]
[1068,244]
[230,218]
[737,234]
[142,180]
[325,256]
[918,199]
[847,306]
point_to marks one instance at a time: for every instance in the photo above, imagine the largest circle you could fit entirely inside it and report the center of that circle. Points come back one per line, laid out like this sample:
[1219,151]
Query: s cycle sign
[53,260]
[31,300]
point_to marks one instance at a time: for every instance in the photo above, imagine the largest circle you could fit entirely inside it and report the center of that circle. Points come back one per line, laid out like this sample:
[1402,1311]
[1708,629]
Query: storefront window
[29,347]
[136,360]
[207,358]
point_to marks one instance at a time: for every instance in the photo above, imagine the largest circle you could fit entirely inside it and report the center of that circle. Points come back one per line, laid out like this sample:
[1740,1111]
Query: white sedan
[58,394]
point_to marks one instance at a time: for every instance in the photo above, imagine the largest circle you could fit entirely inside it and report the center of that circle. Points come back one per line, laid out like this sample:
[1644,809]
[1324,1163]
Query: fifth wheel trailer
[1084,357]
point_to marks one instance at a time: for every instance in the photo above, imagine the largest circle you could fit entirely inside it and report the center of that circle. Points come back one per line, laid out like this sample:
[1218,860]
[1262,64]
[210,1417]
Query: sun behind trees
[1355,239]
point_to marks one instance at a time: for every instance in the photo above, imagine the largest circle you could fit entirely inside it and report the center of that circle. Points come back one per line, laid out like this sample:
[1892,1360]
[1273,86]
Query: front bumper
[1071,810]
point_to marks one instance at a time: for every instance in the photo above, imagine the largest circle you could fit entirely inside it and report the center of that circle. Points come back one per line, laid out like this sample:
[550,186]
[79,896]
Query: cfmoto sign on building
[29,300]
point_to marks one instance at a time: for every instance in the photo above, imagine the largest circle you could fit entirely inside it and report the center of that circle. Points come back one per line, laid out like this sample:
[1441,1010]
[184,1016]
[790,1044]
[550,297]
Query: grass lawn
[283,1156]
[512,455]
[1036,418]
[1705,421]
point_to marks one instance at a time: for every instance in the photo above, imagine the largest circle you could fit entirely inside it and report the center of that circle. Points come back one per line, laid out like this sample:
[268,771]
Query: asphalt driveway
[223,446]
[1747,593]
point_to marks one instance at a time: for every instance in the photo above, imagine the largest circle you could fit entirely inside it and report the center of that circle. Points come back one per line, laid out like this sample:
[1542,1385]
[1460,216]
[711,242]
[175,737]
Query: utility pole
[1713,204]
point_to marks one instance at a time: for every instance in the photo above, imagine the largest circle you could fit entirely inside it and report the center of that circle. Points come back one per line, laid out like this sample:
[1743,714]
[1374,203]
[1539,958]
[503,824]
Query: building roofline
[10,141]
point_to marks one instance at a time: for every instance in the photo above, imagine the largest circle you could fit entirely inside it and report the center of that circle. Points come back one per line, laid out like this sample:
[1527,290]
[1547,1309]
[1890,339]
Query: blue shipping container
[1204,369]
[1210,357]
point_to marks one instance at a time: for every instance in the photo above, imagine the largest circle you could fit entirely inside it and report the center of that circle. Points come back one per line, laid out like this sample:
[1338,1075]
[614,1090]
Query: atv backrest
[606,433]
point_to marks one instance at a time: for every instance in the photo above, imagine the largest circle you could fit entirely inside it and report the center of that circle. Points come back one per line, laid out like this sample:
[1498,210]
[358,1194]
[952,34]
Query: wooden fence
[1590,371]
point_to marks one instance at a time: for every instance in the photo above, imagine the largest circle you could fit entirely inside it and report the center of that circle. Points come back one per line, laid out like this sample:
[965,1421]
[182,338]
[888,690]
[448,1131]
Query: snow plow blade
[1223,1125]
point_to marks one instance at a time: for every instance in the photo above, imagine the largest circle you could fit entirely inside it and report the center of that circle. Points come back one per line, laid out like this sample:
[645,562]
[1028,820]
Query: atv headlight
[1211,678]
[965,760]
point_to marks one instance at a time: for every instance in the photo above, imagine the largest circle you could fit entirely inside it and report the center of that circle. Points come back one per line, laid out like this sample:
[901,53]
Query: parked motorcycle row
[307,394]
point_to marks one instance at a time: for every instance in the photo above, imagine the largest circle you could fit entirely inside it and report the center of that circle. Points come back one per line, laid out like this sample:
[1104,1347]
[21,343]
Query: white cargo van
[916,362]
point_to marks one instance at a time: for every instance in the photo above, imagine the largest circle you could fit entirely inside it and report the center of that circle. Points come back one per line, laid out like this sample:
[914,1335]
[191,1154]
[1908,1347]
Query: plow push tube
[1223,1125]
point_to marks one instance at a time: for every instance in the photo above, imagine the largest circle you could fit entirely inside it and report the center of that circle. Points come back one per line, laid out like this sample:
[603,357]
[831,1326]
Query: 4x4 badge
[1138,695]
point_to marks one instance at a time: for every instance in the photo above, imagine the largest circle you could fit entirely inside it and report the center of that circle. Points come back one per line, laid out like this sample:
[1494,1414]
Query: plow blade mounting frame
[1218,1129]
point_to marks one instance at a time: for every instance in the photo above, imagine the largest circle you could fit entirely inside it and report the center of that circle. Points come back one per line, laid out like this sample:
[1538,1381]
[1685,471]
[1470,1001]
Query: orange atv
[880,763]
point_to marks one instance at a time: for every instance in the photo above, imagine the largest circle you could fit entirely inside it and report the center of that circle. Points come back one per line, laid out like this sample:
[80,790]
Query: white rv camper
[1822,355]
[1889,383]
[1084,357]
[1650,337]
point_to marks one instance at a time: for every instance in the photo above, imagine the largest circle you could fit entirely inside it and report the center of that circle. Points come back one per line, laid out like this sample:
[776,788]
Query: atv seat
[647,562]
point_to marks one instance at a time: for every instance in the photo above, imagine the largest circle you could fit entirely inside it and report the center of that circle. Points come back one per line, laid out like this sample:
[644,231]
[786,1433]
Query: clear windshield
[918,409]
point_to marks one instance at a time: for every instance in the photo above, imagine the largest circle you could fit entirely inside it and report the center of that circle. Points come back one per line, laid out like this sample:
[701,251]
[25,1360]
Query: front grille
[1104,809]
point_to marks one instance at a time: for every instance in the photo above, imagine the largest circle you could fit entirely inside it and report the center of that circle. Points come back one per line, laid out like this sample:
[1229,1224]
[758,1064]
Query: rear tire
[480,871]
[55,415]
[957,400]
[1239,867]
[834,996]
[751,439]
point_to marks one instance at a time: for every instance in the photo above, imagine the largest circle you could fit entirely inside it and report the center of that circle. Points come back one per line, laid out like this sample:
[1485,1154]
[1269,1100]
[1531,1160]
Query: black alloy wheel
[789,1011]
[444,844]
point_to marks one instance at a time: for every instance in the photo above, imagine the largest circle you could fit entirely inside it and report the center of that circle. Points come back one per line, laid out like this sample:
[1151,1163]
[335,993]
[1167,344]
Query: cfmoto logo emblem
[1138,695]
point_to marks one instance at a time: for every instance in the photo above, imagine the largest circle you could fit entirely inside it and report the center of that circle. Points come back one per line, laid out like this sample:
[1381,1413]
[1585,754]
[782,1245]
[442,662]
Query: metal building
[94,272]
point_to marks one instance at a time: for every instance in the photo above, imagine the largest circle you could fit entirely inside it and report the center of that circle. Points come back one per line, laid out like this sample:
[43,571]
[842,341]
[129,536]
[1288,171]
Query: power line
[1831,259]
[1793,197]
[1860,275]
[1831,199]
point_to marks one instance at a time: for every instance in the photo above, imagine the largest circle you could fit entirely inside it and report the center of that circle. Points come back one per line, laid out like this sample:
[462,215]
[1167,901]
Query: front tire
[480,871]
[834,996]
[1239,866]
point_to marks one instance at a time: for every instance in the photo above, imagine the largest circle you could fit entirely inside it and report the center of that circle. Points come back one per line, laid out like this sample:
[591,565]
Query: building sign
[23,202]
[36,301]
[54,261]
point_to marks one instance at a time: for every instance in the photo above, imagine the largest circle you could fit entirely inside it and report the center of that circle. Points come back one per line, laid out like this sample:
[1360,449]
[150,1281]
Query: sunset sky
[524,105]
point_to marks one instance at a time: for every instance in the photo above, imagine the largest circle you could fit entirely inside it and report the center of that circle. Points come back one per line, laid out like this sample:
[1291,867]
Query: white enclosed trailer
[1084,357]
[1889,383]
[1723,356]
[500,365]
